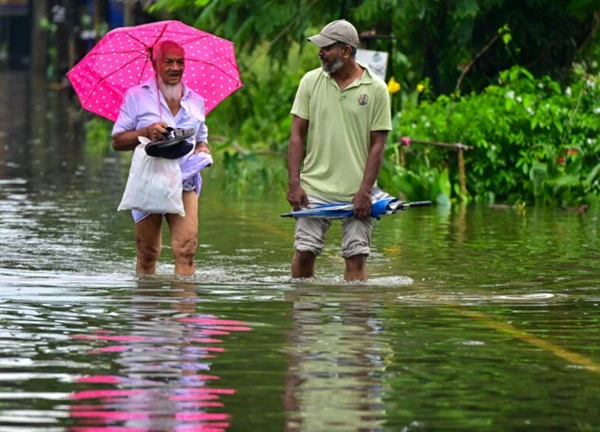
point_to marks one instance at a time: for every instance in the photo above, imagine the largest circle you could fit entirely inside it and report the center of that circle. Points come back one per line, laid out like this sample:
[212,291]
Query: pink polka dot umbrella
[121,60]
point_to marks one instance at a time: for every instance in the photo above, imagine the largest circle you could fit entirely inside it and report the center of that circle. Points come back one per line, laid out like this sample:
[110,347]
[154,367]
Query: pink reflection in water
[108,379]
[147,339]
[164,389]
[106,429]
[123,348]
[188,397]
[211,332]
[185,405]
[111,337]
[212,321]
[95,394]
[132,415]
[215,427]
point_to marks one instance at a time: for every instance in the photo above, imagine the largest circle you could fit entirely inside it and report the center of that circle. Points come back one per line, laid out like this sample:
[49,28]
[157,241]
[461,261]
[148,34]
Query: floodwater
[473,318]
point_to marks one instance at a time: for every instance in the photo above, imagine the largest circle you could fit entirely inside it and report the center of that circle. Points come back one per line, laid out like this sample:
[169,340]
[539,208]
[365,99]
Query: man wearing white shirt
[147,110]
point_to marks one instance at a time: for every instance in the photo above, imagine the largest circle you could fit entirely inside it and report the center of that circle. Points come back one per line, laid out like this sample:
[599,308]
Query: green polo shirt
[339,127]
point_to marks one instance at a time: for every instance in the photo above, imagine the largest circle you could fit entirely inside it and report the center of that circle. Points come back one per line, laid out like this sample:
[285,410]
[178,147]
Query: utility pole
[39,37]
[128,12]
[97,21]
[70,22]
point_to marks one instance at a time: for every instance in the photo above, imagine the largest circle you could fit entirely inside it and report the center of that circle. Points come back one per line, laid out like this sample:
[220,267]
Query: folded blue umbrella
[379,208]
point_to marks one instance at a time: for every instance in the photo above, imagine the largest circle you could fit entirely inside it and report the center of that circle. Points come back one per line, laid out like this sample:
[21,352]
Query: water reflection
[41,131]
[466,309]
[161,376]
[335,349]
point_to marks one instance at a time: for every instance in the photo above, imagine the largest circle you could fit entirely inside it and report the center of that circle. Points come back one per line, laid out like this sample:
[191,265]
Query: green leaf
[564,181]
[591,176]
[558,125]
[554,86]
[534,123]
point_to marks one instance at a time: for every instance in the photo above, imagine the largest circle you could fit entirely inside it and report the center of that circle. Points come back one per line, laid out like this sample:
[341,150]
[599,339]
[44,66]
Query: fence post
[404,142]
[462,178]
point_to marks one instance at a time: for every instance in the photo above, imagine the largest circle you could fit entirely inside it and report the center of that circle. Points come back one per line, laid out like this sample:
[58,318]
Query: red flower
[560,160]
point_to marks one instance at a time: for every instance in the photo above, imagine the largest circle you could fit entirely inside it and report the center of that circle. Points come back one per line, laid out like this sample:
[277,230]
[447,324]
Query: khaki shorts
[356,234]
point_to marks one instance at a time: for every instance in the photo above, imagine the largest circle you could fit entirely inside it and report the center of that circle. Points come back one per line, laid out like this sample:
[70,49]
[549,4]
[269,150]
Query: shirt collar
[367,76]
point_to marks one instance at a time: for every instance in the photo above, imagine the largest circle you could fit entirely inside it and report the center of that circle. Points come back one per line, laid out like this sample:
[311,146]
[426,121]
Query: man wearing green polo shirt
[342,113]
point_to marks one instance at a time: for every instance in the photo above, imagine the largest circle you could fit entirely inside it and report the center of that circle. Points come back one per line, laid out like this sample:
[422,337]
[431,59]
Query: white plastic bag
[153,185]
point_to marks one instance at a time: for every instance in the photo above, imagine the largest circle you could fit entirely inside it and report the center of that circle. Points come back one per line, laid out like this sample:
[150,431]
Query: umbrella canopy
[122,59]
[381,207]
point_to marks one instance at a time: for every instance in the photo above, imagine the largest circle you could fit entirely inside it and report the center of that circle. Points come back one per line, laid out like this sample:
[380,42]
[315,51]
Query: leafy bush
[98,136]
[533,140]
[257,118]
[253,173]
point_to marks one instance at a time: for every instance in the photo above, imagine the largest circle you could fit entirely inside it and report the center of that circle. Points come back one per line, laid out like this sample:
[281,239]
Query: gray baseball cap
[336,31]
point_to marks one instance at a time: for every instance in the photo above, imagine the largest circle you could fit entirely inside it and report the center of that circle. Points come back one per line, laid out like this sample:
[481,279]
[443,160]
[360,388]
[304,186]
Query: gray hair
[353,49]
[158,50]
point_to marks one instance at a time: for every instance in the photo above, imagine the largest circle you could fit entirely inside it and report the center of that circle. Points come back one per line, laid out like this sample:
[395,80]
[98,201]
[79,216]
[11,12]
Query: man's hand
[156,130]
[362,204]
[129,140]
[201,147]
[297,197]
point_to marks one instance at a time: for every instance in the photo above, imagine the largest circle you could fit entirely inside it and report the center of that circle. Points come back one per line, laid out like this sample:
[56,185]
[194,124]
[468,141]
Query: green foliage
[428,40]
[440,37]
[423,181]
[98,136]
[422,184]
[520,126]
[252,23]
[257,116]
[534,141]
[258,174]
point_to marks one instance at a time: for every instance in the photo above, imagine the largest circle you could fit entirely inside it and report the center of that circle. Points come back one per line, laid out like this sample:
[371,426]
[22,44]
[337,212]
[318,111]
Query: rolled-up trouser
[356,233]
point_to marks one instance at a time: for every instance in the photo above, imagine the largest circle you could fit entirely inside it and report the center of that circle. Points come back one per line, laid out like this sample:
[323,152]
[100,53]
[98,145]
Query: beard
[332,68]
[172,93]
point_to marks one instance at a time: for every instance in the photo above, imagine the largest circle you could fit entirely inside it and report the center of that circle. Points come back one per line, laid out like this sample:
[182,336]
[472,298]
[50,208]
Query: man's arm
[128,140]
[296,195]
[202,138]
[202,147]
[362,199]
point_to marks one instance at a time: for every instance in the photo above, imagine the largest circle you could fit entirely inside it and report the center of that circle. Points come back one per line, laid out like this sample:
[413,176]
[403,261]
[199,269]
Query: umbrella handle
[418,204]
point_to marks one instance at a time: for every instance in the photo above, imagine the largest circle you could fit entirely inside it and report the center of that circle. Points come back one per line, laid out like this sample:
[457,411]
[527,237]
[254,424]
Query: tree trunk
[39,38]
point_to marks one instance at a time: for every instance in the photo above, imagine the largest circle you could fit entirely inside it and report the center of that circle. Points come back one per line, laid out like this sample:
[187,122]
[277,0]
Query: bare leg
[148,242]
[303,264]
[356,268]
[184,234]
